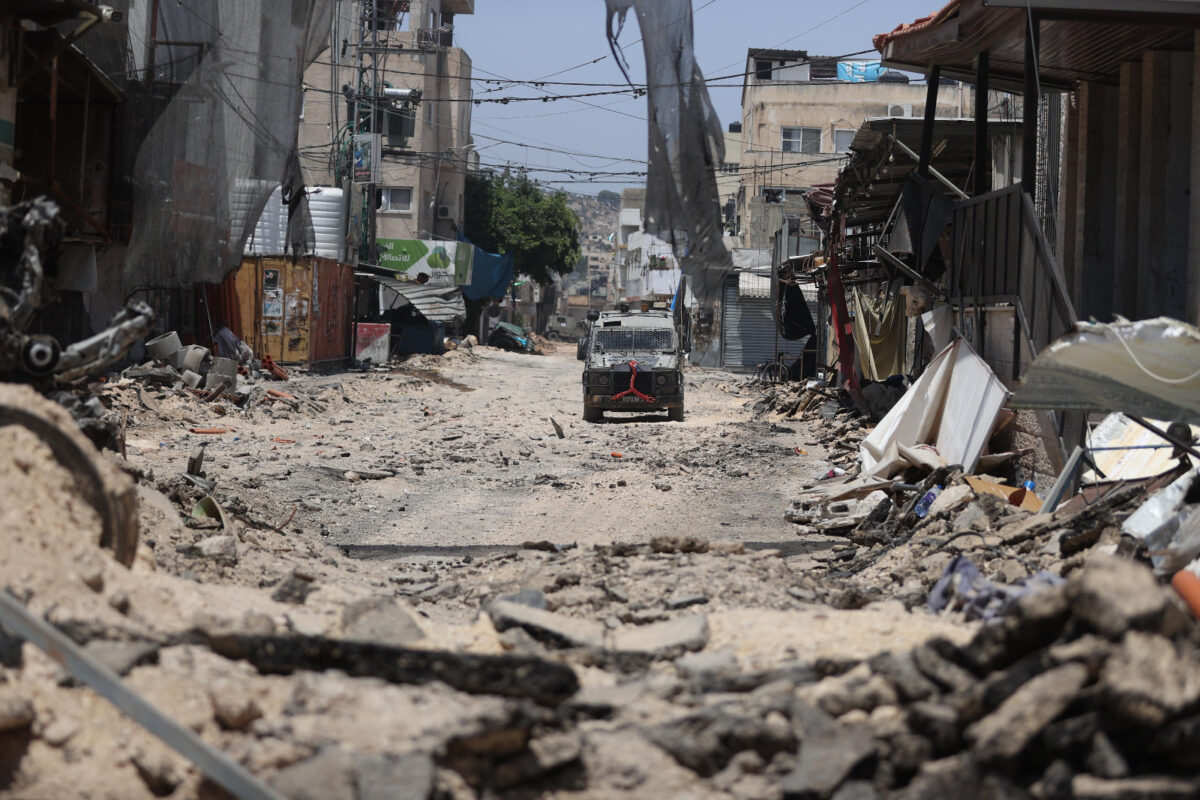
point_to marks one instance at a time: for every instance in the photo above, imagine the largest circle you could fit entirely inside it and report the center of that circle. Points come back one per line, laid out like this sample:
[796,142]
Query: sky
[554,40]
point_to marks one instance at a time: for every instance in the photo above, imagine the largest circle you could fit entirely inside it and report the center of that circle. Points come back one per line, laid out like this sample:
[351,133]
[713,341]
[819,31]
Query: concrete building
[798,120]
[426,144]
[645,266]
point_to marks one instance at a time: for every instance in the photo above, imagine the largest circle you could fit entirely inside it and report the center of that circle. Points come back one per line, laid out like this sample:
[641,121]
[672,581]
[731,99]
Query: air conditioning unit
[445,212]
[900,110]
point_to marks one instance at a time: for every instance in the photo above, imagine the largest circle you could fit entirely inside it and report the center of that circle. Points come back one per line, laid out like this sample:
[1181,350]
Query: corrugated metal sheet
[748,332]
[434,303]
[1087,46]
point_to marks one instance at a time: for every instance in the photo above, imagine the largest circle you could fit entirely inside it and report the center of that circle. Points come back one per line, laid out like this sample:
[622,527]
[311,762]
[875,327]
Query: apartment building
[394,70]
[799,116]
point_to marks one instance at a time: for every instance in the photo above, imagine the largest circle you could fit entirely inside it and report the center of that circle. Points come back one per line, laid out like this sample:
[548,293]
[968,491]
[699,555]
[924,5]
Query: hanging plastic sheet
[795,317]
[491,273]
[879,329]
[226,138]
[686,141]
[925,212]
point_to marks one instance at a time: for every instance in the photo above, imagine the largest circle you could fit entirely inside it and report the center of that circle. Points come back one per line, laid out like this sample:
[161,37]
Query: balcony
[458,6]
[434,38]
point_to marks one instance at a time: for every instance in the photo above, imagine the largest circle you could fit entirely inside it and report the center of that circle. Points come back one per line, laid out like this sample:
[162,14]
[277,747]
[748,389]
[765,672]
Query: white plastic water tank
[270,233]
[328,211]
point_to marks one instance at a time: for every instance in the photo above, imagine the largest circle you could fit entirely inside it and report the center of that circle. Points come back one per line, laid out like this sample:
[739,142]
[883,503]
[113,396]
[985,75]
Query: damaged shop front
[413,300]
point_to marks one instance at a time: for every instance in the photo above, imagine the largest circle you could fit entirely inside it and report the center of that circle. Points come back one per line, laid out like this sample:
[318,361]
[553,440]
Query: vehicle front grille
[644,382]
[627,340]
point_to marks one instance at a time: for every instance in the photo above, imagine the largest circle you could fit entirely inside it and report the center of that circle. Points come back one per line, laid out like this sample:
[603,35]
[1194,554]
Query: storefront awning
[434,303]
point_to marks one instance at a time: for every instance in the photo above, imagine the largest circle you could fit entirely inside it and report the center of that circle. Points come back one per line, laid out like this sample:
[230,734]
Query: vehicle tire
[775,372]
[592,414]
[675,414]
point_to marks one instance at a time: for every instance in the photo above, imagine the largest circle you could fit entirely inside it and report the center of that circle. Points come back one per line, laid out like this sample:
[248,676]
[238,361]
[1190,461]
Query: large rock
[665,639]
[1004,733]
[546,626]
[1113,595]
[381,620]
[1147,681]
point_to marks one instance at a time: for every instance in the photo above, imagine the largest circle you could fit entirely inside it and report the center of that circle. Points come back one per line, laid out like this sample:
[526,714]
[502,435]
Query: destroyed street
[456,400]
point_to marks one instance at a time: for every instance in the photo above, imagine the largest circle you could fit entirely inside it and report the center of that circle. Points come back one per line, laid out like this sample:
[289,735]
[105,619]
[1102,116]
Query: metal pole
[983,152]
[933,78]
[1033,35]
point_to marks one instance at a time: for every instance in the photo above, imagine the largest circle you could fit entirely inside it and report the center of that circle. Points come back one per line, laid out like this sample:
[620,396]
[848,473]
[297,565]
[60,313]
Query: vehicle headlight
[661,379]
[601,378]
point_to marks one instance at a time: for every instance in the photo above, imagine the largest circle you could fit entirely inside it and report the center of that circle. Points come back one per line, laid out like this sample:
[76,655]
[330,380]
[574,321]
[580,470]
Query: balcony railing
[435,37]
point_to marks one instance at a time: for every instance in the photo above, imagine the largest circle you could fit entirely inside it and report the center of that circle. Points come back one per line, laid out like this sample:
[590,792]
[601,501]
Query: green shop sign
[400,254]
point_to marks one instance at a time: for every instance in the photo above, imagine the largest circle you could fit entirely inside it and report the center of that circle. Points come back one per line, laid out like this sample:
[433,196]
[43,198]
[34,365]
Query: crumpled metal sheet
[1149,368]
[686,143]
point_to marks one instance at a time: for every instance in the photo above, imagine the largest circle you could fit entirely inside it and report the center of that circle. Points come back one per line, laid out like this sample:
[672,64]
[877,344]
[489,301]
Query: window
[842,139]
[802,140]
[762,70]
[395,199]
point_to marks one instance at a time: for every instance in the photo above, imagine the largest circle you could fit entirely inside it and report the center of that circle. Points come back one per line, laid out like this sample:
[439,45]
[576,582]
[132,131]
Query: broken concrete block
[705,742]
[702,665]
[546,626]
[330,773]
[1147,681]
[829,753]
[121,656]
[1113,595]
[234,705]
[938,723]
[387,777]
[901,670]
[663,639]
[221,549]
[16,711]
[379,619]
[859,688]
[1004,733]
[941,670]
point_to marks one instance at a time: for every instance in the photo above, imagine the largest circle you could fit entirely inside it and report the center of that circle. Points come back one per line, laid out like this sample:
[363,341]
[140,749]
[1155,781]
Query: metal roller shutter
[748,332]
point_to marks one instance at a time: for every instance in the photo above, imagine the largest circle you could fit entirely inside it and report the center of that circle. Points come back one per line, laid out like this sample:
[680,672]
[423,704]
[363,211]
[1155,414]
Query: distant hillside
[597,215]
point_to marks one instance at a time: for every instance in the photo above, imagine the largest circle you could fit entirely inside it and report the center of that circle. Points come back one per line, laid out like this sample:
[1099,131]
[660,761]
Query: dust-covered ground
[417,589]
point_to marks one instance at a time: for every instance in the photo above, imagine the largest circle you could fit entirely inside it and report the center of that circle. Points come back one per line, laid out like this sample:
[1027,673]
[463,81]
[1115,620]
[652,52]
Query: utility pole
[366,84]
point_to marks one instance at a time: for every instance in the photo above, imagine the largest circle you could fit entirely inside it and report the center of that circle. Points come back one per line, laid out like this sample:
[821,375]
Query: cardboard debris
[983,486]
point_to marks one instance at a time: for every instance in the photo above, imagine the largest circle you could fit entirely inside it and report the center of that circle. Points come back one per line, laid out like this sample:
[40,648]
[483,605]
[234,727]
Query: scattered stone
[686,601]
[16,710]
[828,754]
[678,544]
[221,549]
[60,731]
[119,600]
[546,626]
[1158,787]
[703,665]
[859,689]
[1105,761]
[1147,680]
[1004,733]
[330,773]
[705,742]
[1113,595]
[122,656]
[663,639]
[293,589]
[901,670]
[159,769]
[941,670]
[234,705]
[379,619]
[412,776]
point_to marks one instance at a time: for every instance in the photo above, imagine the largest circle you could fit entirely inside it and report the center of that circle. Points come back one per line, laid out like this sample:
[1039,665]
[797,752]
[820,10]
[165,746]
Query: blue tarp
[491,274]
[859,71]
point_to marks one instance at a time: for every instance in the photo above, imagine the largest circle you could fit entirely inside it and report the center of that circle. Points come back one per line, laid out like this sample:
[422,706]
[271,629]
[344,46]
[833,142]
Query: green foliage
[509,213]
[606,196]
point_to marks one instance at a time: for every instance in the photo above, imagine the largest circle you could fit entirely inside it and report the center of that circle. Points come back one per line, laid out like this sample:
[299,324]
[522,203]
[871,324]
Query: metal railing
[436,37]
[1000,258]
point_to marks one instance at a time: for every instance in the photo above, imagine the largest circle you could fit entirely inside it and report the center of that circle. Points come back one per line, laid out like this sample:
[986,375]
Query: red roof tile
[884,39]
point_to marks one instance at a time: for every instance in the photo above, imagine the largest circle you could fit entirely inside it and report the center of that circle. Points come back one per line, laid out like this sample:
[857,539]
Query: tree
[509,213]
[611,198]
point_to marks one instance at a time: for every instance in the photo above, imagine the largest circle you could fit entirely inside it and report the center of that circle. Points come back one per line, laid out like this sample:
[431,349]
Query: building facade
[798,120]
[416,96]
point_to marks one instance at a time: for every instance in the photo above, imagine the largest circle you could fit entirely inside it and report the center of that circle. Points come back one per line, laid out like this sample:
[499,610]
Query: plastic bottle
[922,508]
